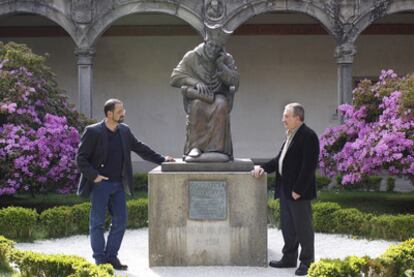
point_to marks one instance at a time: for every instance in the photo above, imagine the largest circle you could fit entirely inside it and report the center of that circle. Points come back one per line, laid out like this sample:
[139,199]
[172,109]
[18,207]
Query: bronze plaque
[207,200]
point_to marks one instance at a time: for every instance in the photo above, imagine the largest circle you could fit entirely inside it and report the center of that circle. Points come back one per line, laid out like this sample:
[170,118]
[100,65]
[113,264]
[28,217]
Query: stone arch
[244,13]
[374,14]
[170,8]
[38,8]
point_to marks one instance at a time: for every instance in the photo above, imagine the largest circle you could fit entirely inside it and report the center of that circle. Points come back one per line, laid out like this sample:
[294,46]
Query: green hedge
[398,260]
[349,221]
[39,265]
[18,223]
[6,247]
[349,267]
[273,212]
[140,182]
[57,221]
[137,213]
[322,182]
[331,218]
[66,221]
[368,183]
[323,220]
[397,227]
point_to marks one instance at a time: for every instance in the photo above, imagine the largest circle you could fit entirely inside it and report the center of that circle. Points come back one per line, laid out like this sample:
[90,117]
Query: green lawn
[372,202]
[45,201]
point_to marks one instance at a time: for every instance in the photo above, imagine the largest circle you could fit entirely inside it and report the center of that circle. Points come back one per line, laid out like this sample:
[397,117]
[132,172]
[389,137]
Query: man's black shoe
[302,270]
[282,264]
[116,264]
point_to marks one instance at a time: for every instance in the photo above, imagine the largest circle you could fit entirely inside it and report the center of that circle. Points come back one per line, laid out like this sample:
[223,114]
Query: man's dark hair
[110,105]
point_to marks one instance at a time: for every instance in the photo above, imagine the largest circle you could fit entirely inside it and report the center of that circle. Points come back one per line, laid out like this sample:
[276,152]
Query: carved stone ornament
[215,10]
[343,13]
[349,10]
[380,9]
[345,53]
[81,11]
[121,2]
[85,55]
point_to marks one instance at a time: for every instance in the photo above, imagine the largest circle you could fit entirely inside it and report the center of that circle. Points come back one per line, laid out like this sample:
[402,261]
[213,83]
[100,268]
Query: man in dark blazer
[104,160]
[295,167]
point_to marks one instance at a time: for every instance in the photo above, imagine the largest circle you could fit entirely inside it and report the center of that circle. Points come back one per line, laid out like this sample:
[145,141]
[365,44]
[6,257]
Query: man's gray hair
[297,110]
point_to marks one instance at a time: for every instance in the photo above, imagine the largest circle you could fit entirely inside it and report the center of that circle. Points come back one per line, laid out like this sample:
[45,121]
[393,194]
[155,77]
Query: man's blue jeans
[107,195]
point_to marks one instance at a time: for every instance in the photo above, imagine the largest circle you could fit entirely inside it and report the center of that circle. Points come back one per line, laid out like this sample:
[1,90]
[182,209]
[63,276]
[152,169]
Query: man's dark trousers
[296,225]
[107,195]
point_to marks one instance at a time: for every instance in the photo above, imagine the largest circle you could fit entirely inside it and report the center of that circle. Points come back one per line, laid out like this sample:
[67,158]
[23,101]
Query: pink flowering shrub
[39,129]
[377,133]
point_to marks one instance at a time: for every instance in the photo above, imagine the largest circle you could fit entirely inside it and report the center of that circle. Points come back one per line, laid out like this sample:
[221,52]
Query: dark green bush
[398,260]
[36,264]
[323,219]
[390,184]
[6,247]
[350,267]
[65,221]
[137,213]
[80,216]
[348,221]
[58,221]
[18,223]
[330,217]
[392,227]
[373,183]
[368,183]
[140,181]
[32,264]
[274,213]
[271,180]
[322,182]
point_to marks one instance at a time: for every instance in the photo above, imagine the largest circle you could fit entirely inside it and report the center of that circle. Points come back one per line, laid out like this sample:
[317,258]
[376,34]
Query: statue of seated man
[208,79]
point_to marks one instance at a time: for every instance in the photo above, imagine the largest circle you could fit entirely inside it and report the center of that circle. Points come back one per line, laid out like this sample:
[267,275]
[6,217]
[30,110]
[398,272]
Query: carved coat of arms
[81,11]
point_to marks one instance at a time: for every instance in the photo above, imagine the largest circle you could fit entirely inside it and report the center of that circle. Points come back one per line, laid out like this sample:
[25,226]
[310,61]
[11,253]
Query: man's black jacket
[299,165]
[92,154]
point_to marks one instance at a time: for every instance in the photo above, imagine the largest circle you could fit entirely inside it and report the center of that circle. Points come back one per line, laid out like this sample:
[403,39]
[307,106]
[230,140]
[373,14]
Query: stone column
[85,79]
[344,54]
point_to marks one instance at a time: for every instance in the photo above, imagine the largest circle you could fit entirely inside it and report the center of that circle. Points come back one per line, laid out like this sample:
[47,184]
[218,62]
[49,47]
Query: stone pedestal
[207,218]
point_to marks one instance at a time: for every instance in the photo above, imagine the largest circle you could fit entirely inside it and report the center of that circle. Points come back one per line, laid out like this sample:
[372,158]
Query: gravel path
[134,252]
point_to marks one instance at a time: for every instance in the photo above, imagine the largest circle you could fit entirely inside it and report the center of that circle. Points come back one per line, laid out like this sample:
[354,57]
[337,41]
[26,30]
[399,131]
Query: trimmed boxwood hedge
[398,260]
[36,264]
[331,218]
[20,223]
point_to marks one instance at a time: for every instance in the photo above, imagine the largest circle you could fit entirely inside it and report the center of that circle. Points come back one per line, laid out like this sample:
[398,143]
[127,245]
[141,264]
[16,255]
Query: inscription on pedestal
[207,200]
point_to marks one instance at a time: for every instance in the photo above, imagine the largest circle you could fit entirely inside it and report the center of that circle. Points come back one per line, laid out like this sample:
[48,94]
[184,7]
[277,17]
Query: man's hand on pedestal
[169,159]
[257,172]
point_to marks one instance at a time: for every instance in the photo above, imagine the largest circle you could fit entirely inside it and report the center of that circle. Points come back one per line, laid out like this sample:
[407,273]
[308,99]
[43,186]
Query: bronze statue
[208,79]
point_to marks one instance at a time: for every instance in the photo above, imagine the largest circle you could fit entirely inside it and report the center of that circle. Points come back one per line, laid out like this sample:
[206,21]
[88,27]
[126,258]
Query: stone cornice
[87,20]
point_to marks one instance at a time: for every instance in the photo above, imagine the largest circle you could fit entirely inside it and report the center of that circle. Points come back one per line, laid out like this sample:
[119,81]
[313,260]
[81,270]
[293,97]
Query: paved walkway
[134,252]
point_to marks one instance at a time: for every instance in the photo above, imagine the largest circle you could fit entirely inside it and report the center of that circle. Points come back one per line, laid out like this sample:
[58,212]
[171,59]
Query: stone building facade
[85,21]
